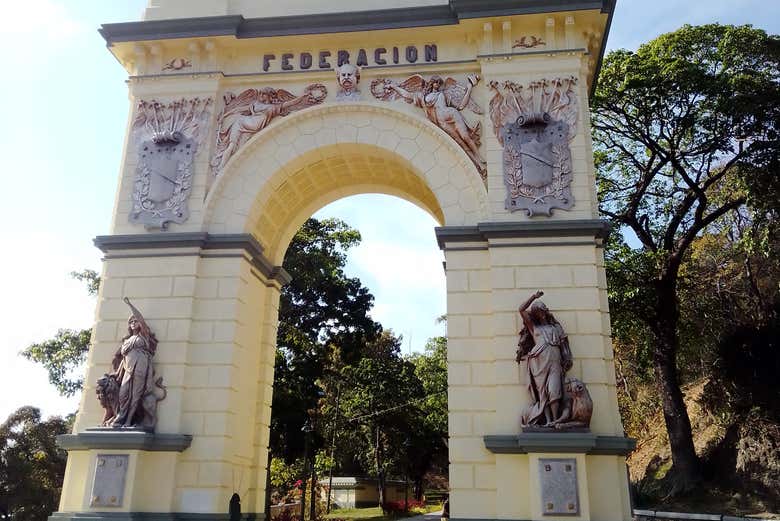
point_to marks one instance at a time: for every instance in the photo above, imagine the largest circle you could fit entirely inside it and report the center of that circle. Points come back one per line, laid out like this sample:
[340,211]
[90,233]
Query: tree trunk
[380,471]
[418,488]
[678,425]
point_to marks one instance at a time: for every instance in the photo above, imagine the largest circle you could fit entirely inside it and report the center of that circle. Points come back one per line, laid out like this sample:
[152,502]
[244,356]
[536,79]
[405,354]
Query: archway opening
[360,376]
[270,187]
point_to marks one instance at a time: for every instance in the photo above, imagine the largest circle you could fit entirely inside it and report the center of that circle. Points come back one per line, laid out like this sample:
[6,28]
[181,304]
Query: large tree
[323,315]
[31,465]
[380,401]
[683,129]
[429,446]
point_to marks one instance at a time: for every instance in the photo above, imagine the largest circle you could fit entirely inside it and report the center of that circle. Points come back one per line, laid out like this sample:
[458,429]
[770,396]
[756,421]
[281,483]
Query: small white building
[354,492]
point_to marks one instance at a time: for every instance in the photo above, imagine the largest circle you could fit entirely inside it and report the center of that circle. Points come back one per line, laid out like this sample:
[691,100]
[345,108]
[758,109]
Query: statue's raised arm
[136,313]
[523,310]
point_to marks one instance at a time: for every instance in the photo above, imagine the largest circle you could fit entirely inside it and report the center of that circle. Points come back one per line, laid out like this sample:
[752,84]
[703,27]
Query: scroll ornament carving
[168,136]
[177,64]
[443,102]
[556,402]
[535,124]
[130,392]
[528,42]
[251,111]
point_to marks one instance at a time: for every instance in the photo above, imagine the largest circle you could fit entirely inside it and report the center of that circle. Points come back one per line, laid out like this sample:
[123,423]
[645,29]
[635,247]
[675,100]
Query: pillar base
[148,516]
[560,443]
[124,439]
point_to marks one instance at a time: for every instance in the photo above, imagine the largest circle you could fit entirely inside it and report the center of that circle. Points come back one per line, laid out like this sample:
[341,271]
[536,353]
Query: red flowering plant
[394,508]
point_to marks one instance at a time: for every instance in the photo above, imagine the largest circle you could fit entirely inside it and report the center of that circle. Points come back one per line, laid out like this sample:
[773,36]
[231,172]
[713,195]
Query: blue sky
[64,116]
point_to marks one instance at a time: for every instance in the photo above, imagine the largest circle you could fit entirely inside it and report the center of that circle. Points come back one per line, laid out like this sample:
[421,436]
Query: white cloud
[400,267]
[400,263]
[46,20]
[39,298]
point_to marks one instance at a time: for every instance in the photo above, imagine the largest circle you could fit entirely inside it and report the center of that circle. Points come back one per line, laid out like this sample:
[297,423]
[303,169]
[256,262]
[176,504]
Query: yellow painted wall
[215,315]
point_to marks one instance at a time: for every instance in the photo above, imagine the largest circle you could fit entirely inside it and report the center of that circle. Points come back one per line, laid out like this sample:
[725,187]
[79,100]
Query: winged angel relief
[534,124]
[168,136]
[251,111]
[443,102]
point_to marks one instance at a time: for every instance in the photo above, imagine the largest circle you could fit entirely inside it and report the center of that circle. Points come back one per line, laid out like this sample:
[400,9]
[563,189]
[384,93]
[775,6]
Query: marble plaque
[108,486]
[558,485]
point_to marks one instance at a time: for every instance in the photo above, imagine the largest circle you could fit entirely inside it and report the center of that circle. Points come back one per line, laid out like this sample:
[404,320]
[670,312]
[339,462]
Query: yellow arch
[306,160]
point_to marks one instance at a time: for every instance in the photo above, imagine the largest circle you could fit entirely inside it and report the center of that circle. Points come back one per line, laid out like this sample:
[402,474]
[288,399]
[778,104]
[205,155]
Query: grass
[373,513]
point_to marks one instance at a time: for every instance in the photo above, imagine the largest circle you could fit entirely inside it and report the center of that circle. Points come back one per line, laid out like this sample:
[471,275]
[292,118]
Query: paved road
[433,516]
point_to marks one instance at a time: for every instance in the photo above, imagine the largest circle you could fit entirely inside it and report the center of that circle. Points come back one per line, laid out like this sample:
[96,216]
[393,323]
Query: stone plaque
[108,487]
[558,484]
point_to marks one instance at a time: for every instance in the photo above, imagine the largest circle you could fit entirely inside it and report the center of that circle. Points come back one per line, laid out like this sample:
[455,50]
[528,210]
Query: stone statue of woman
[133,371]
[545,347]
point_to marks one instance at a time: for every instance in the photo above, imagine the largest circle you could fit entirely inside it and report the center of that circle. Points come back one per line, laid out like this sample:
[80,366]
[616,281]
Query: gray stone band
[560,442]
[124,441]
[111,244]
[595,228]
[148,516]
[321,23]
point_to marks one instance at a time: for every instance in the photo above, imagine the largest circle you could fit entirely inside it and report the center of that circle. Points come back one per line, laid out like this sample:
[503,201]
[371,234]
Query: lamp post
[313,504]
[333,446]
[307,430]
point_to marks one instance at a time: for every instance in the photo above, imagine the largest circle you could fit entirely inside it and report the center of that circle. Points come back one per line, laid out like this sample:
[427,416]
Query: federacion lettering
[360,57]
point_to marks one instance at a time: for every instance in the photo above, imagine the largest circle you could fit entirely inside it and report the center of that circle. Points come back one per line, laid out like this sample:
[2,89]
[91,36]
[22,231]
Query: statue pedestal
[571,475]
[118,472]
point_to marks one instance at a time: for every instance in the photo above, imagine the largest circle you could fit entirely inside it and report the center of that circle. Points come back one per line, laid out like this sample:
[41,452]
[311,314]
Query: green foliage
[430,367]
[62,355]
[283,476]
[90,278]
[324,315]
[686,148]
[323,462]
[376,402]
[684,127]
[31,466]
[393,410]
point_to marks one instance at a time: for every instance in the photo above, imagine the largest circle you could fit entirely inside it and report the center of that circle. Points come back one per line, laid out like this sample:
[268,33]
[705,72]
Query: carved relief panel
[245,115]
[535,124]
[168,136]
[444,101]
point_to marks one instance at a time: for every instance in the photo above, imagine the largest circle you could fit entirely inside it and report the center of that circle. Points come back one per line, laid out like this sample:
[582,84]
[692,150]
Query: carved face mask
[348,77]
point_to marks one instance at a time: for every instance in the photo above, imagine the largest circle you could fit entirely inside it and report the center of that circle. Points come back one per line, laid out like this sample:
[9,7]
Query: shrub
[399,507]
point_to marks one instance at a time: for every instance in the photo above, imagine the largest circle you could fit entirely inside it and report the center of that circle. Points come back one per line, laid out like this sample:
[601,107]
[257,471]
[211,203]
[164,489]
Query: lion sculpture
[107,390]
[577,406]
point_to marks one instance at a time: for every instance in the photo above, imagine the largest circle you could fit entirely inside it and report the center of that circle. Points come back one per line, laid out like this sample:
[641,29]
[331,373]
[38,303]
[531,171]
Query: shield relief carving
[168,135]
[535,124]
[537,165]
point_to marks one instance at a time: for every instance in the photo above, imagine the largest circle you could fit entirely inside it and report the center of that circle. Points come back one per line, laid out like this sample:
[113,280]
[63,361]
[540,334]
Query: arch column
[495,467]
[212,301]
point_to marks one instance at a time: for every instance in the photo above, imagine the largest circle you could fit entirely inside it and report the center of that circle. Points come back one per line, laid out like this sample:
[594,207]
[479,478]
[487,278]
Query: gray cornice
[595,228]
[560,442]
[609,8]
[149,516]
[124,440]
[326,23]
[319,23]
[111,244]
[487,8]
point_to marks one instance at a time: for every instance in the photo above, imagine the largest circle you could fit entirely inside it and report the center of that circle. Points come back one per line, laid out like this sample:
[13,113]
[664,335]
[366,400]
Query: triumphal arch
[246,117]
